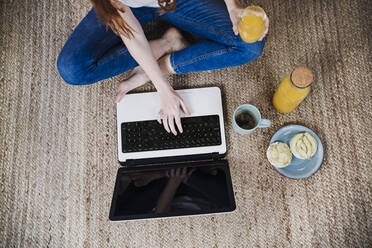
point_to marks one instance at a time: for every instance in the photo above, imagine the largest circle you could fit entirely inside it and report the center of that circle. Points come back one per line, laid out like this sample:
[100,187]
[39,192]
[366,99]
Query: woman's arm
[166,197]
[234,8]
[232,4]
[176,177]
[138,46]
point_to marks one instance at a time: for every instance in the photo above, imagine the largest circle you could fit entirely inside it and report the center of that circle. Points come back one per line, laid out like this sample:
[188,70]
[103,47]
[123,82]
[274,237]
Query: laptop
[163,175]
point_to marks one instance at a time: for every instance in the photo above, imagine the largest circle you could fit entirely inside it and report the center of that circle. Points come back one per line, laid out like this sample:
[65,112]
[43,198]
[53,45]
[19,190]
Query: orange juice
[293,90]
[251,26]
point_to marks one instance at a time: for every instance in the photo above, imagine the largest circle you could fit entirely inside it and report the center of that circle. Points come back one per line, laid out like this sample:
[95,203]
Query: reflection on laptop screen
[172,192]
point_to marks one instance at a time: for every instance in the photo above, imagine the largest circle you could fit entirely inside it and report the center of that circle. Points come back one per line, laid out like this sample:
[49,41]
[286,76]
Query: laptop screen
[176,190]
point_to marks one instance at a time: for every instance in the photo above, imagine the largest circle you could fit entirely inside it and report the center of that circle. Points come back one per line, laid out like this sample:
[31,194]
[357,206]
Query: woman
[94,52]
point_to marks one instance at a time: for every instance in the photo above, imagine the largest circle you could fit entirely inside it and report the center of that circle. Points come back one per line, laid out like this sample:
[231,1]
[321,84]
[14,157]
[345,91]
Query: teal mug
[247,118]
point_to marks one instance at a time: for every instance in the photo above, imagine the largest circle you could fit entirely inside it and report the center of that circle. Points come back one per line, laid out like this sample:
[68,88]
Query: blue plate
[299,168]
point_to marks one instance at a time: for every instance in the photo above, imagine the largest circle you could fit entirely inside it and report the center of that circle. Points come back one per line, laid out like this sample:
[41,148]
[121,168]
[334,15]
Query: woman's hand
[176,176]
[179,175]
[236,12]
[260,14]
[171,104]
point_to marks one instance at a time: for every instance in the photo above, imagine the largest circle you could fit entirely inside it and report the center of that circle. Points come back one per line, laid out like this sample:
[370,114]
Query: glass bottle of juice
[293,89]
[251,26]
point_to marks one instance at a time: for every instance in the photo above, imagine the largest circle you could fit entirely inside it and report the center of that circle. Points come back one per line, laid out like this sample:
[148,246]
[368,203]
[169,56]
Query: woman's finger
[160,116]
[171,124]
[191,171]
[235,29]
[178,123]
[263,35]
[267,24]
[184,108]
[165,124]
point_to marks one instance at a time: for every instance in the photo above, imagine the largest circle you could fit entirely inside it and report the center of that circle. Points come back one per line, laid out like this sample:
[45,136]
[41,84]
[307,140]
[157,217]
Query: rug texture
[58,155]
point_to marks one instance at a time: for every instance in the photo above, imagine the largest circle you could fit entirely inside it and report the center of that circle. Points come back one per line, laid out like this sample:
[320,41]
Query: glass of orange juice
[252,26]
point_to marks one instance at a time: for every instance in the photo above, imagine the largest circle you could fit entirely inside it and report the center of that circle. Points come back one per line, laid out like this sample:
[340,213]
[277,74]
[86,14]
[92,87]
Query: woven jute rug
[58,155]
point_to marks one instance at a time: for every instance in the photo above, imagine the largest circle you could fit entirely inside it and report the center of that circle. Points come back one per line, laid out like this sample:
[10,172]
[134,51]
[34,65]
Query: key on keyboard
[198,131]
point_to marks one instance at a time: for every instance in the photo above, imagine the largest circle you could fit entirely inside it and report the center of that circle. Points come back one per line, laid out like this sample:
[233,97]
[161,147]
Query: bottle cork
[302,77]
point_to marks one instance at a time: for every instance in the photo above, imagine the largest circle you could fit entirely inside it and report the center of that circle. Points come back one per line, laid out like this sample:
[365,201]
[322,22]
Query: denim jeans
[93,53]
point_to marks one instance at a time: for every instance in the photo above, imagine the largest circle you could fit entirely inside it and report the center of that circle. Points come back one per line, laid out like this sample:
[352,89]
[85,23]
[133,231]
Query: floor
[58,142]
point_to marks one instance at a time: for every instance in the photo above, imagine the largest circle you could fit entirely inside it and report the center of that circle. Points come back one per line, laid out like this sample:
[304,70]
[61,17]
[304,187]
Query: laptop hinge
[174,159]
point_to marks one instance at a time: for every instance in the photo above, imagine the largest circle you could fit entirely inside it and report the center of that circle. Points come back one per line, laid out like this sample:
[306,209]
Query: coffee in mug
[247,118]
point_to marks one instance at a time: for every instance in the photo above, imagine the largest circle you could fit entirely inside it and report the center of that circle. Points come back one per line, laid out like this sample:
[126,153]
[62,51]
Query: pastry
[303,145]
[279,154]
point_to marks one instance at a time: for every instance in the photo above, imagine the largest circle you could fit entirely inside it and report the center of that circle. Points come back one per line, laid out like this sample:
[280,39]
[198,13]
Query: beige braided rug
[58,142]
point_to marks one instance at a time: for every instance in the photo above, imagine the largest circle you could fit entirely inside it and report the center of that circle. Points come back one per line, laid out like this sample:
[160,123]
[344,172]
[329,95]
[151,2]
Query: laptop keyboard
[198,131]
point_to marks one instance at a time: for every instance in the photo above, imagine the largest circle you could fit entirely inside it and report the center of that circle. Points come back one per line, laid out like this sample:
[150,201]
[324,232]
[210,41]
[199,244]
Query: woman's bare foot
[175,40]
[136,79]
[171,41]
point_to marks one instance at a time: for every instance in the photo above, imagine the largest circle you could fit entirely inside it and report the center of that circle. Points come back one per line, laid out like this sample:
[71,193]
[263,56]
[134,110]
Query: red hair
[107,12]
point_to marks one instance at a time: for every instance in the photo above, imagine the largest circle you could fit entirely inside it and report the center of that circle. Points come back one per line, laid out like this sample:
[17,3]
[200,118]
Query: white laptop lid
[146,106]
